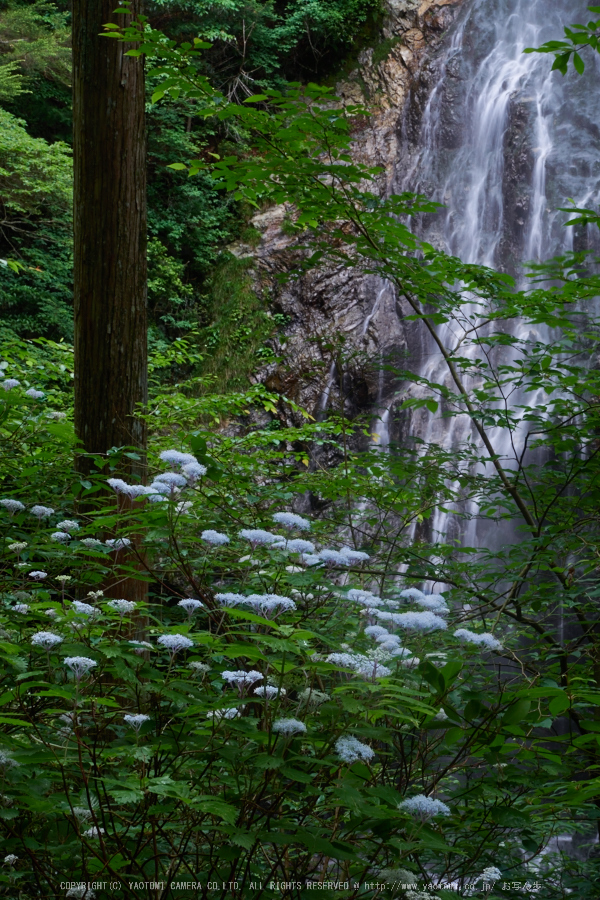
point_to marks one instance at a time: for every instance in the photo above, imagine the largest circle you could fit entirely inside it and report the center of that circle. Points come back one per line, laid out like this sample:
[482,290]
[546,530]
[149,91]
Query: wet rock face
[340,314]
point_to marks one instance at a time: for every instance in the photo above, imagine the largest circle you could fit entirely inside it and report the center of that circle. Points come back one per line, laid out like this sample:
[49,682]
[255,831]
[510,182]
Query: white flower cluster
[60,537]
[350,750]
[190,605]
[21,608]
[199,668]
[344,557]
[69,525]
[41,512]
[258,536]
[214,537]
[490,874]
[268,691]
[177,458]
[291,520]
[10,383]
[414,621]
[7,762]
[85,609]
[118,544]
[362,665]
[241,678]
[175,642]
[81,892]
[289,726]
[231,712]
[92,543]
[17,546]
[123,607]
[423,807]
[262,604]
[136,721]
[38,575]
[10,860]
[11,505]
[35,395]
[47,640]
[481,639]
[80,665]
[297,545]
[93,832]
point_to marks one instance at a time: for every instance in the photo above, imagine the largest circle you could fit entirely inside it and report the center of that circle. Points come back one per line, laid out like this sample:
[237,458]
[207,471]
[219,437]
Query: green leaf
[578,63]
[559,704]
[516,713]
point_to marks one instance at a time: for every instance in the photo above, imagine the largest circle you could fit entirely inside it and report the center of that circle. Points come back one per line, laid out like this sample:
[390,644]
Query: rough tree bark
[110,250]
[110,236]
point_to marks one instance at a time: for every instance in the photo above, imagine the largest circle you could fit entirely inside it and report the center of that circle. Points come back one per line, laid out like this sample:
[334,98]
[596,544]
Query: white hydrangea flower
[312,697]
[297,545]
[481,639]
[291,520]
[194,470]
[82,813]
[17,546]
[136,721]
[93,832]
[92,543]
[230,599]
[242,678]
[232,712]
[264,604]
[12,505]
[414,621]
[386,638]
[364,598]
[354,556]
[51,613]
[310,559]
[84,609]
[214,537]
[140,647]
[46,640]
[118,544]
[175,642]
[60,537]
[41,512]
[350,750]
[333,558]
[422,807]
[10,859]
[81,892]
[171,478]
[62,579]
[80,665]
[441,716]
[68,525]
[190,605]
[21,608]
[435,603]
[159,487]
[268,691]
[7,762]
[123,607]
[56,414]
[412,593]
[258,536]
[177,458]
[10,383]
[289,726]
[38,575]
[199,668]
[490,874]
[35,395]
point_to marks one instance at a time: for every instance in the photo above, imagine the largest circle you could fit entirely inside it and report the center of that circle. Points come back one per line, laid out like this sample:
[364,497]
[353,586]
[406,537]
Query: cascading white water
[492,147]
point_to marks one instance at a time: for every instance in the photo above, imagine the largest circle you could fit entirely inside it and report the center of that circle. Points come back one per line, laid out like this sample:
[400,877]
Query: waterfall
[491,142]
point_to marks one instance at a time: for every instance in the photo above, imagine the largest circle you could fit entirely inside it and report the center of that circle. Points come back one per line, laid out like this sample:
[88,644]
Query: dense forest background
[194,285]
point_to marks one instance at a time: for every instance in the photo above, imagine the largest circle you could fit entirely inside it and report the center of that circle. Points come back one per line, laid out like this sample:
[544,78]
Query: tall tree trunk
[111,366]
[110,236]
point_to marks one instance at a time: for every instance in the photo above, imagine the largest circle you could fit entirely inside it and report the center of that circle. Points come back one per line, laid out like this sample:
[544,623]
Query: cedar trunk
[110,237]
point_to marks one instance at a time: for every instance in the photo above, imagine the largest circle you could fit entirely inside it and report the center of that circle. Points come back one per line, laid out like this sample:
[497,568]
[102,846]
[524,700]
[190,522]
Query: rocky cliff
[334,313]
